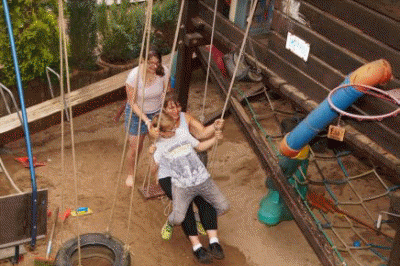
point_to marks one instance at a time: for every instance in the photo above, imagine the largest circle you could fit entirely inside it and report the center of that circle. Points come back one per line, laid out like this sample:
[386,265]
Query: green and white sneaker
[166,231]
[200,228]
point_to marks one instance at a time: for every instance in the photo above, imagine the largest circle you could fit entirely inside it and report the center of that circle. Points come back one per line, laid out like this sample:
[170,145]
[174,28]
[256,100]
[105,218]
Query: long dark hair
[155,53]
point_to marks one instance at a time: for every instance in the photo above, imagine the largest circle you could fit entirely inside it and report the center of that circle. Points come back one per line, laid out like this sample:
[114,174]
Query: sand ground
[98,145]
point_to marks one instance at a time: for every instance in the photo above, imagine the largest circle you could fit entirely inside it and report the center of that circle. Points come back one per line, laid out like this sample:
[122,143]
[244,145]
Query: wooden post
[183,74]
[394,259]
[185,53]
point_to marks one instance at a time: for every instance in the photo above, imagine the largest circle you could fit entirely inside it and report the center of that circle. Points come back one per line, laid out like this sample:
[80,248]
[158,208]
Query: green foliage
[165,14]
[83,33]
[36,39]
[162,46]
[164,19]
[121,28]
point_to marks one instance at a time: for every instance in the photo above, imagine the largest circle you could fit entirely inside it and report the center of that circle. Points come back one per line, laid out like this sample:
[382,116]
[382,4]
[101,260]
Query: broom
[47,261]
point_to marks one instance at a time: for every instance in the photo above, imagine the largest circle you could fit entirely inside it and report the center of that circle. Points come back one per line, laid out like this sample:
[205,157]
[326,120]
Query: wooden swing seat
[152,191]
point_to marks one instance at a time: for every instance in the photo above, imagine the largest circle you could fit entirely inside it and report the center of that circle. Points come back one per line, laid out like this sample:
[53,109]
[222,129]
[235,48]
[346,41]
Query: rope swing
[99,245]
[202,117]
[141,66]
[179,21]
[71,250]
[228,95]
[63,52]
[142,70]
[144,73]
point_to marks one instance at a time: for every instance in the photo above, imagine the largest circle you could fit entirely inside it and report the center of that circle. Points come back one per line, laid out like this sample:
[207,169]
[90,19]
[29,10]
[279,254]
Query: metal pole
[24,124]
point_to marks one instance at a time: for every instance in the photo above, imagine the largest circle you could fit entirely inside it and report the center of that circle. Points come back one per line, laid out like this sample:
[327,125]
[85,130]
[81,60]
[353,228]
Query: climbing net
[345,196]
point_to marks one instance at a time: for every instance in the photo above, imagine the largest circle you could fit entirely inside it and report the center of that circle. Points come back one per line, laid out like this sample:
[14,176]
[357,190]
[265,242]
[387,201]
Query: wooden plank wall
[363,35]
[303,218]
[337,49]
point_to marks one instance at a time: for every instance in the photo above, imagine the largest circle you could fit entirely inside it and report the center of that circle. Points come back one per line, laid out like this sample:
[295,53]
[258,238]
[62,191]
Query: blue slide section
[322,116]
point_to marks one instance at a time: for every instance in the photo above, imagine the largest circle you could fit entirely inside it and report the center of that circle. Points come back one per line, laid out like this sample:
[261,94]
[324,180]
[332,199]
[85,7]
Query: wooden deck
[341,42]
[76,98]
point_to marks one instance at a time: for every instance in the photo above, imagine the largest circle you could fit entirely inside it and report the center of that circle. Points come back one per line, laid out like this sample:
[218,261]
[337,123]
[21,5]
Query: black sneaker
[216,251]
[202,255]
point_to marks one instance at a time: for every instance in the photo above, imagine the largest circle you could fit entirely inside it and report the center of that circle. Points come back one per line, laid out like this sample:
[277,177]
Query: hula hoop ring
[364,117]
[93,245]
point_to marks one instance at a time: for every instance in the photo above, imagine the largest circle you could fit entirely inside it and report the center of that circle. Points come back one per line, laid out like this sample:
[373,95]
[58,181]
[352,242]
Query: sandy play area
[98,149]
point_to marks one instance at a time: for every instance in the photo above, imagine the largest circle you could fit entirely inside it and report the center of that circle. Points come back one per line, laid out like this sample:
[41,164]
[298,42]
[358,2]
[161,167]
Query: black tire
[114,249]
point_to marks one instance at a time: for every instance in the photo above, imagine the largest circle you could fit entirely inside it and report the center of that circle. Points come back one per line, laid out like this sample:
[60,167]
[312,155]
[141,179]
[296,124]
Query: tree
[83,33]
[121,29]
[36,39]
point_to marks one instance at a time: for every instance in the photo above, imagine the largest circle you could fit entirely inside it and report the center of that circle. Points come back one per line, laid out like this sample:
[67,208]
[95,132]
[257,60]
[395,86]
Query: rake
[47,261]
[326,205]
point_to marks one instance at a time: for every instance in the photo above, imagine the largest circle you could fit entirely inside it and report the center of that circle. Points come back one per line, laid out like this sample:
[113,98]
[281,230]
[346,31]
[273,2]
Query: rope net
[344,194]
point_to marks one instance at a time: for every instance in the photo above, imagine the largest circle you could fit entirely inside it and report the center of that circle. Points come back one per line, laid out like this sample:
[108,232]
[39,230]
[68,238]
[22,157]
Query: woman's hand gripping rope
[218,135]
[218,124]
[154,132]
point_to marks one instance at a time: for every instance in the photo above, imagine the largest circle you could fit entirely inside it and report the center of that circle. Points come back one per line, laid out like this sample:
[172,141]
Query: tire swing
[97,249]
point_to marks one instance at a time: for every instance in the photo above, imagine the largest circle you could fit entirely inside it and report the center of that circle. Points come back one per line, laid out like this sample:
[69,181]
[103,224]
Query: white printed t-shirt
[178,158]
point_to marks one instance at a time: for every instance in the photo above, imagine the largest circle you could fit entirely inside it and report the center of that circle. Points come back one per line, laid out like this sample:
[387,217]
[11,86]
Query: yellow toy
[81,211]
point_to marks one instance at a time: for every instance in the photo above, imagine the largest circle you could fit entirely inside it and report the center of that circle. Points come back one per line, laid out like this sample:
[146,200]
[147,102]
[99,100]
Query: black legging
[207,213]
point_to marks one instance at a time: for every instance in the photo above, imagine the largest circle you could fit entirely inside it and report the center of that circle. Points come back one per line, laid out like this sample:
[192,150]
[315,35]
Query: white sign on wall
[297,46]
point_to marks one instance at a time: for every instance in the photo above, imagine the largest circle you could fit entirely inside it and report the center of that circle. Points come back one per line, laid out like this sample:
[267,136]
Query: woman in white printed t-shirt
[156,80]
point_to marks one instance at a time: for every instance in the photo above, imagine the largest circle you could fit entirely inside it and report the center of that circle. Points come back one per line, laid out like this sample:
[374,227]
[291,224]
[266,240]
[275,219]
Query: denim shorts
[133,129]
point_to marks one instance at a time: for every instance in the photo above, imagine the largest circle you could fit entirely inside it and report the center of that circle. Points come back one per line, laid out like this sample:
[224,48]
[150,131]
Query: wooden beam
[385,132]
[389,10]
[77,97]
[351,38]
[372,23]
[325,50]
[315,68]
[302,217]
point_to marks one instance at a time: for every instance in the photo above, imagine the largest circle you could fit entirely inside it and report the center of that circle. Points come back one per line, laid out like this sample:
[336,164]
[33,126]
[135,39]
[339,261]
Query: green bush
[164,19]
[82,33]
[121,29]
[162,45]
[35,33]
[165,14]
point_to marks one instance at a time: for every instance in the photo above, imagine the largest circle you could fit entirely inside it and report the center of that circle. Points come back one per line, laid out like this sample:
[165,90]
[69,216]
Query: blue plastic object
[321,116]
[24,122]
[173,70]
[273,209]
